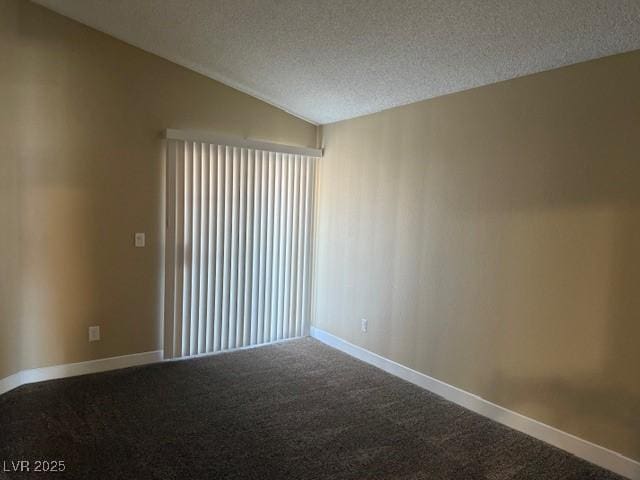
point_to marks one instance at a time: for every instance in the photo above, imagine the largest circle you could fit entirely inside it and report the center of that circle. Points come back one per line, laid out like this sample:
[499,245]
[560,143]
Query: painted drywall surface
[81,171]
[492,240]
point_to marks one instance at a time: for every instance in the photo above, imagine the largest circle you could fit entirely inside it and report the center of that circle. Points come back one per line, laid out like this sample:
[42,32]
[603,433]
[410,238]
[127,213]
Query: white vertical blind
[238,246]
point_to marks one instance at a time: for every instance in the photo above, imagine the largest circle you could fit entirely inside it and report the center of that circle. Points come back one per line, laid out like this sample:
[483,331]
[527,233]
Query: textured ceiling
[328,60]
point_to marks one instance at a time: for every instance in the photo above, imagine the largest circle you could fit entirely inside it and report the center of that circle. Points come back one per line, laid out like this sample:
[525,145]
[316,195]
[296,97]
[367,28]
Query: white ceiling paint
[329,60]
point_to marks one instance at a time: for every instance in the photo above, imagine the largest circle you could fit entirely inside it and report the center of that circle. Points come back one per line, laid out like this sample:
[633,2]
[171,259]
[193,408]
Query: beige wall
[492,239]
[80,171]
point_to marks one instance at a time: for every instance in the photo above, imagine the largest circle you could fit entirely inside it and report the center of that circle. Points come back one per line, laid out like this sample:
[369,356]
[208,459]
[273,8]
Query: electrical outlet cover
[94,334]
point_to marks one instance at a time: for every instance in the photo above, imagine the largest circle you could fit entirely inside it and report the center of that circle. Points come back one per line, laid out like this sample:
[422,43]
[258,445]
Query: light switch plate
[94,334]
[140,240]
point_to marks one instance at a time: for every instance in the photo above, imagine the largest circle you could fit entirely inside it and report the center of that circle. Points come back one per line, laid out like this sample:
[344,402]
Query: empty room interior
[329,239]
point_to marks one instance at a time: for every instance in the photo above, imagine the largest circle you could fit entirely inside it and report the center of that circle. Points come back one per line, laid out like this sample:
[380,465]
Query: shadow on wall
[11,258]
[591,399]
[599,379]
[88,179]
[12,203]
[547,208]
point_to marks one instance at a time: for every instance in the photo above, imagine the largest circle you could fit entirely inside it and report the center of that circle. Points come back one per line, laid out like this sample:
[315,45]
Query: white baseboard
[72,369]
[103,364]
[11,382]
[231,350]
[581,448]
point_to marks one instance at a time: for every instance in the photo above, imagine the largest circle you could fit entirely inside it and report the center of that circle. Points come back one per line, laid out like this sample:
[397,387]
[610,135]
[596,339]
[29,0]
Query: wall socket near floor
[94,334]
[364,325]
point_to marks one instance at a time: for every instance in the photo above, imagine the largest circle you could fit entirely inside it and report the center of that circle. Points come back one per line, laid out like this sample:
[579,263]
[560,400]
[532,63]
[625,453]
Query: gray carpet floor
[294,410]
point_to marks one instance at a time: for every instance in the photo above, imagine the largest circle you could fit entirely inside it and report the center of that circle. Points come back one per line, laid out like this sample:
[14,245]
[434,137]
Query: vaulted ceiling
[329,60]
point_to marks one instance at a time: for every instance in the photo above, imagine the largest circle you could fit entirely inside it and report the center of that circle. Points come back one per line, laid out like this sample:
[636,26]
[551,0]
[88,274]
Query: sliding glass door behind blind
[238,246]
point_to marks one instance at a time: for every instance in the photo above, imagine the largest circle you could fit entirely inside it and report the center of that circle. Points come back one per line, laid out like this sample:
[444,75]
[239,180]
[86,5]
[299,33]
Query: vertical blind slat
[217,323]
[204,246]
[277,197]
[242,212]
[282,241]
[268,269]
[307,239]
[294,248]
[286,331]
[195,248]
[264,228]
[282,271]
[188,250]
[226,272]
[170,252]
[287,251]
[255,255]
[303,197]
[178,306]
[238,249]
[233,259]
[211,249]
[246,301]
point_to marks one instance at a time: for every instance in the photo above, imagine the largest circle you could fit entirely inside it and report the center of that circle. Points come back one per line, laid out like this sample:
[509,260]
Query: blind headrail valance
[236,141]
